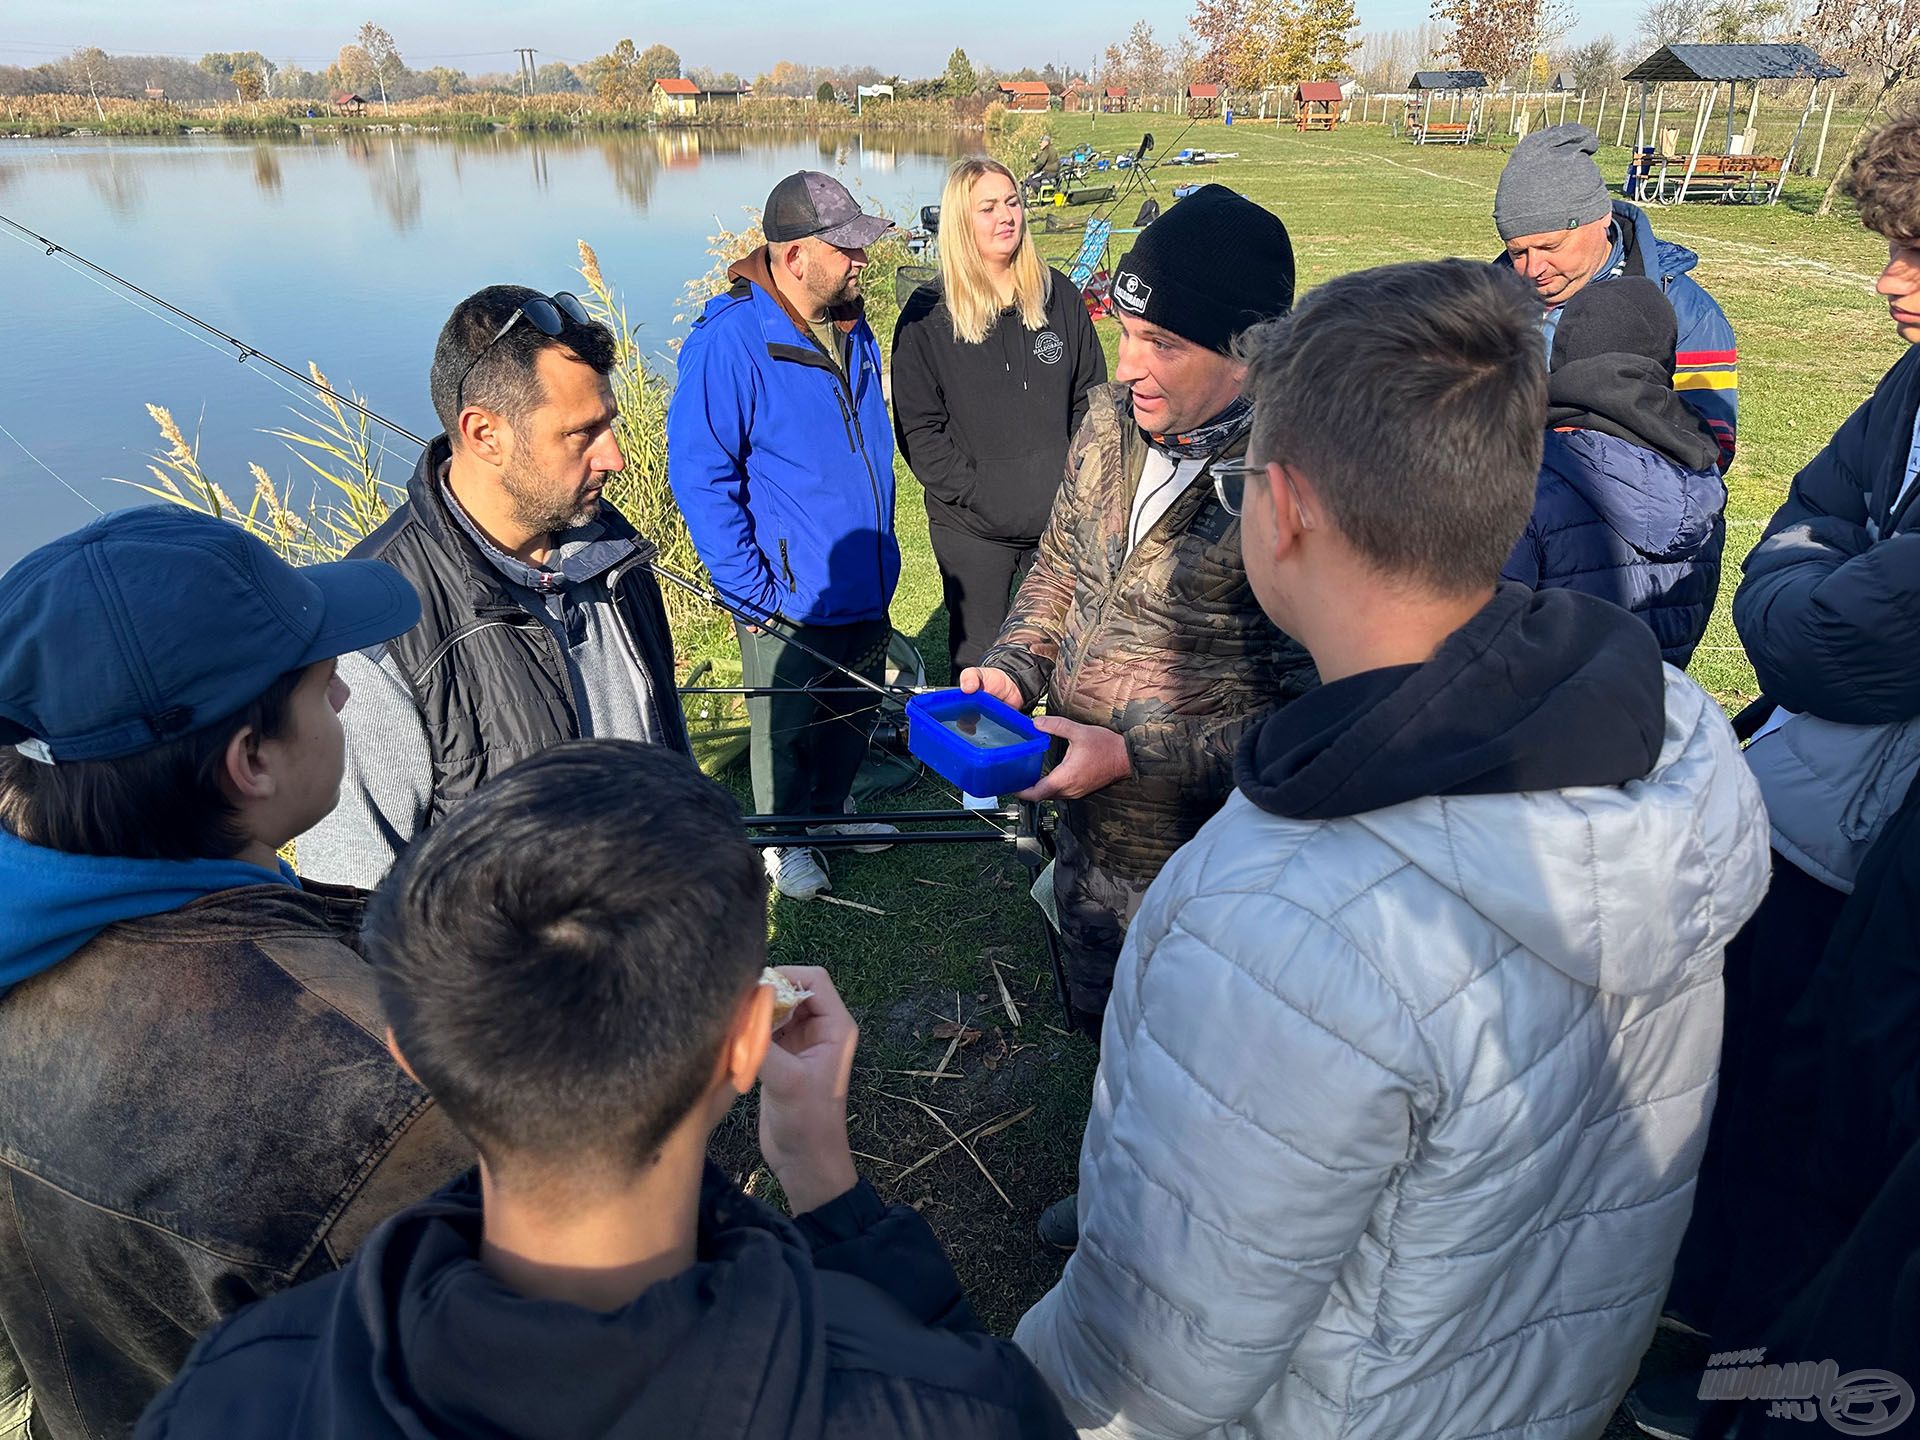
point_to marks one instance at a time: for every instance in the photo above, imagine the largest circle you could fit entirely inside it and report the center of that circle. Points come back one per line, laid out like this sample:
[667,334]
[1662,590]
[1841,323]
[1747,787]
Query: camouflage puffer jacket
[1166,645]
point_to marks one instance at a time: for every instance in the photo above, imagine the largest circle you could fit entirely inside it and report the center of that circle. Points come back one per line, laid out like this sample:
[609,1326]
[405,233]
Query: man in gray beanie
[1564,231]
[1136,622]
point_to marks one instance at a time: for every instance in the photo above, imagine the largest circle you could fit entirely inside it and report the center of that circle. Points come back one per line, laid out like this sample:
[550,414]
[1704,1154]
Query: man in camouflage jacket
[1137,622]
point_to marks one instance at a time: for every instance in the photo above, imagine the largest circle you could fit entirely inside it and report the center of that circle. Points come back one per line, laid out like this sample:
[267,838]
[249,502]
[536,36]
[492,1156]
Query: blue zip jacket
[1616,520]
[782,468]
[1706,370]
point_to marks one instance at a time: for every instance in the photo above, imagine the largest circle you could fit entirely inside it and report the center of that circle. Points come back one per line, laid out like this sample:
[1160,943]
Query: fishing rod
[246,351]
[1023,829]
[737,609]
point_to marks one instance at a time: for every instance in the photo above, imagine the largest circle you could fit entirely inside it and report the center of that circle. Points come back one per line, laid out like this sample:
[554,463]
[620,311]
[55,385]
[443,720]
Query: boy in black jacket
[570,963]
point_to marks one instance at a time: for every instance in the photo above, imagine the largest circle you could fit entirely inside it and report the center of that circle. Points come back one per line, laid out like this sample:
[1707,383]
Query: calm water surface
[347,250]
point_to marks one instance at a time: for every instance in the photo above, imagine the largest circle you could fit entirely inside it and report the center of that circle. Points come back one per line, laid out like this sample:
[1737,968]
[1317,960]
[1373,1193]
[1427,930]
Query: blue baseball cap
[153,622]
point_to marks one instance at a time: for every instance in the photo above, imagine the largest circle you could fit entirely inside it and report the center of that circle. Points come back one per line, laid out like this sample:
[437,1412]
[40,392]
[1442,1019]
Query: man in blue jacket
[1564,231]
[570,962]
[780,453]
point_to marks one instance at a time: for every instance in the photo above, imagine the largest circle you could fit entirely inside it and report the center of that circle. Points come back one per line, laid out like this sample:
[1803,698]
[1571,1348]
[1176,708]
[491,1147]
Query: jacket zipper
[657,719]
[856,439]
[786,566]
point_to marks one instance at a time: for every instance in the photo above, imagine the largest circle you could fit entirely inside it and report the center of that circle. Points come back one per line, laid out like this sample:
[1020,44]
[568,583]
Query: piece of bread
[786,995]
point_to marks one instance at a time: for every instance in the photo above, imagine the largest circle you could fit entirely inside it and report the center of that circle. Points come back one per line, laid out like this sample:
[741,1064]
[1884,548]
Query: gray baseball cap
[808,203]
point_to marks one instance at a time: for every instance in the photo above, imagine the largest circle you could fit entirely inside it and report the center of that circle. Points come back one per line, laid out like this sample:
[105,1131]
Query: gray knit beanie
[1551,182]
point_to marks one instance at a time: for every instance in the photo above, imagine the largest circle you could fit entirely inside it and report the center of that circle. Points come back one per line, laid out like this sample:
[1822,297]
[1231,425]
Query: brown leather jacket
[196,1109]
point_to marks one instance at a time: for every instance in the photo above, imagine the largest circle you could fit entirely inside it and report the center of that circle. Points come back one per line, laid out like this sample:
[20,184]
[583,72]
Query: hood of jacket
[757,270]
[1557,703]
[1664,510]
[427,1343]
[57,902]
[1631,397]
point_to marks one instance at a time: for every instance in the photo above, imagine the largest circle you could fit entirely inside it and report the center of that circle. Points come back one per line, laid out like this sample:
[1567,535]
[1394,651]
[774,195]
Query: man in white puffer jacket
[1411,1050]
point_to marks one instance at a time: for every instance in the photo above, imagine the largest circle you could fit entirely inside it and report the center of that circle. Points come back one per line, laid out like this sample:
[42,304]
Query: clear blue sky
[479,35]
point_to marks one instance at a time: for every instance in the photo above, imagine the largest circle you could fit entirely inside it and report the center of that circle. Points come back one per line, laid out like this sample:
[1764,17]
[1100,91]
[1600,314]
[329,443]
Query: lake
[347,249]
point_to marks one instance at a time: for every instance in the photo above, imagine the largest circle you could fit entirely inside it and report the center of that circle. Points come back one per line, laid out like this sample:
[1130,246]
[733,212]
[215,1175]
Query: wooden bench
[1444,132]
[1730,179]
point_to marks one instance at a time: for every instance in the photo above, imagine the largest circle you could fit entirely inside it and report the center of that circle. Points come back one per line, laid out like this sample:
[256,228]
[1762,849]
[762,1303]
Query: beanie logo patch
[1131,293]
[1049,348]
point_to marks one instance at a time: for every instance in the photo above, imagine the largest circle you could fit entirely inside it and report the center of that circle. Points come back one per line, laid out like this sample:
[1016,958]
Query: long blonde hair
[972,300]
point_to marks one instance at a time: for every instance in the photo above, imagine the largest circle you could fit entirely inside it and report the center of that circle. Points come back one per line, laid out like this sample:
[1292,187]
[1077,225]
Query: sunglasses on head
[546,313]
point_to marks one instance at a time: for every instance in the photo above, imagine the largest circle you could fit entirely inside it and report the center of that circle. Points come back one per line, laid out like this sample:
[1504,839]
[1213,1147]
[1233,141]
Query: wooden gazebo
[1316,105]
[1203,101]
[1424,93]
[1729,175]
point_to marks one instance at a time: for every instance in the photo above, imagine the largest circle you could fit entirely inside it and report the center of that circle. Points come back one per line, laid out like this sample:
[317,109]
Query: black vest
[487,677]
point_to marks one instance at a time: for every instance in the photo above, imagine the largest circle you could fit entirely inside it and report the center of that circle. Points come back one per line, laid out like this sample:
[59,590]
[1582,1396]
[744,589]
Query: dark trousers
[809,738]
[1769,967]
[977,579]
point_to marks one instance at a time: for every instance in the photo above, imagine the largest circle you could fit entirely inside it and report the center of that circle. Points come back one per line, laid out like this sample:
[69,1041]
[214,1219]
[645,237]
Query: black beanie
[1210,267]
[1628,316]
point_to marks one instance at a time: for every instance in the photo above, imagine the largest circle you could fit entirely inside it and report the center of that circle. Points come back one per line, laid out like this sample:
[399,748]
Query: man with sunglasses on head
[1136,623]
[541,621]
[780,452]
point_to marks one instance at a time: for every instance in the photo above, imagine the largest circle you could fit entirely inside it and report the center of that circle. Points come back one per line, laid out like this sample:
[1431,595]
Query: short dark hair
[559,957]
[1884,178]
[1415,399]
[505,379]
[166,803]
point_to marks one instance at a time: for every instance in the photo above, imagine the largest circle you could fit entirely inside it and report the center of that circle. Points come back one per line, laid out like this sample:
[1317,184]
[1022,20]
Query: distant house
[348,103]
[1114,100]
[1026,94]
[1203,100]
[1563,83]
[719,97]
[1077,96]
[157,94]
[675,98]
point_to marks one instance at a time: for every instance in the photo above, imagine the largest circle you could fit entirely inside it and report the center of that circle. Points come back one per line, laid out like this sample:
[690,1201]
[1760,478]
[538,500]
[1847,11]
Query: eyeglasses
[546,313]
[1230,486]
[1230,482]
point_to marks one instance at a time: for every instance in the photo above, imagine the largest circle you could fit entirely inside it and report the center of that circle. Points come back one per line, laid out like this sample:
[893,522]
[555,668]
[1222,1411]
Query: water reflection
[266,171]
[118,180]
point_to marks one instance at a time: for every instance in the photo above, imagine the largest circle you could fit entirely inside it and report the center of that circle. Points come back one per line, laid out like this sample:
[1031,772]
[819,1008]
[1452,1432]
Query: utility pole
[526,54]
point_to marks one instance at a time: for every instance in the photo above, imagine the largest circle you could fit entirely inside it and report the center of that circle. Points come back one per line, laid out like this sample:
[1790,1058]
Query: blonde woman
[991,368]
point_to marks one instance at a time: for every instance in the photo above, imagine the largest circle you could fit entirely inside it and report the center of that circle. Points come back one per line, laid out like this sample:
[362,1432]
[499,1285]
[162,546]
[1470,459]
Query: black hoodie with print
[985,427]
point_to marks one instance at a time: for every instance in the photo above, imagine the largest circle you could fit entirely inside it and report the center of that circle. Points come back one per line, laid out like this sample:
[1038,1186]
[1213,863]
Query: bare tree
[1495,37]
[1596,64]
[88,69]
[382,56]
[1670,22]
[1879,39]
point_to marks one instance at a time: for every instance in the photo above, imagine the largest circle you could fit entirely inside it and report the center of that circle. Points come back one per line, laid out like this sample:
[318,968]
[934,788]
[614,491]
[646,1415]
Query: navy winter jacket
[1629,525]
[1706,373]
[782,466]
[845,1324]
[1829,608]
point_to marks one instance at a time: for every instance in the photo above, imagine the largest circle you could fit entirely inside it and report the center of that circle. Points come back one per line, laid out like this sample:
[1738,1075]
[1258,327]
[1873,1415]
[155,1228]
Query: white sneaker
[796,871]
[858,827]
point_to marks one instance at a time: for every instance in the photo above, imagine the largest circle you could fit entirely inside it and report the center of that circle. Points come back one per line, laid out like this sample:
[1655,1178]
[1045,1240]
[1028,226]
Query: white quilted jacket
[1398,1115]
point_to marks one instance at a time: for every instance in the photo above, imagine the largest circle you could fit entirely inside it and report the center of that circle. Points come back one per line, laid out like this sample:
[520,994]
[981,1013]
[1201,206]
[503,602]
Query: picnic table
[1729,179]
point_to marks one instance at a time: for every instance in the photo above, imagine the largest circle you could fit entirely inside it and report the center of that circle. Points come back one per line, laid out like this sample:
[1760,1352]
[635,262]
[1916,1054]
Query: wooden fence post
[1600,118]
[1626,104]
[1820,155]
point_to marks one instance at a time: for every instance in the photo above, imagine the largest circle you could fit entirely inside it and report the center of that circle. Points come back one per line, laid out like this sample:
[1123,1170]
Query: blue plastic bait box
[981,744]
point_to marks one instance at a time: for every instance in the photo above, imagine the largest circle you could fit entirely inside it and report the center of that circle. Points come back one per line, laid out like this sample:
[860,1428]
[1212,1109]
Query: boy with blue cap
[199,1105]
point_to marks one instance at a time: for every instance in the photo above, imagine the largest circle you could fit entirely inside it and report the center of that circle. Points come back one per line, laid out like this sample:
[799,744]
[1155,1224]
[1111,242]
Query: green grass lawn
[1813,340]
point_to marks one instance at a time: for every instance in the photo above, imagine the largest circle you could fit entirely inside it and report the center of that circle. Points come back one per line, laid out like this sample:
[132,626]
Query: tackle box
[981,744]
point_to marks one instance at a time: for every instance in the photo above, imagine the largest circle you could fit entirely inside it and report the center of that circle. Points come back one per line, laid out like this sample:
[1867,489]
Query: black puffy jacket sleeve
[1830,615]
